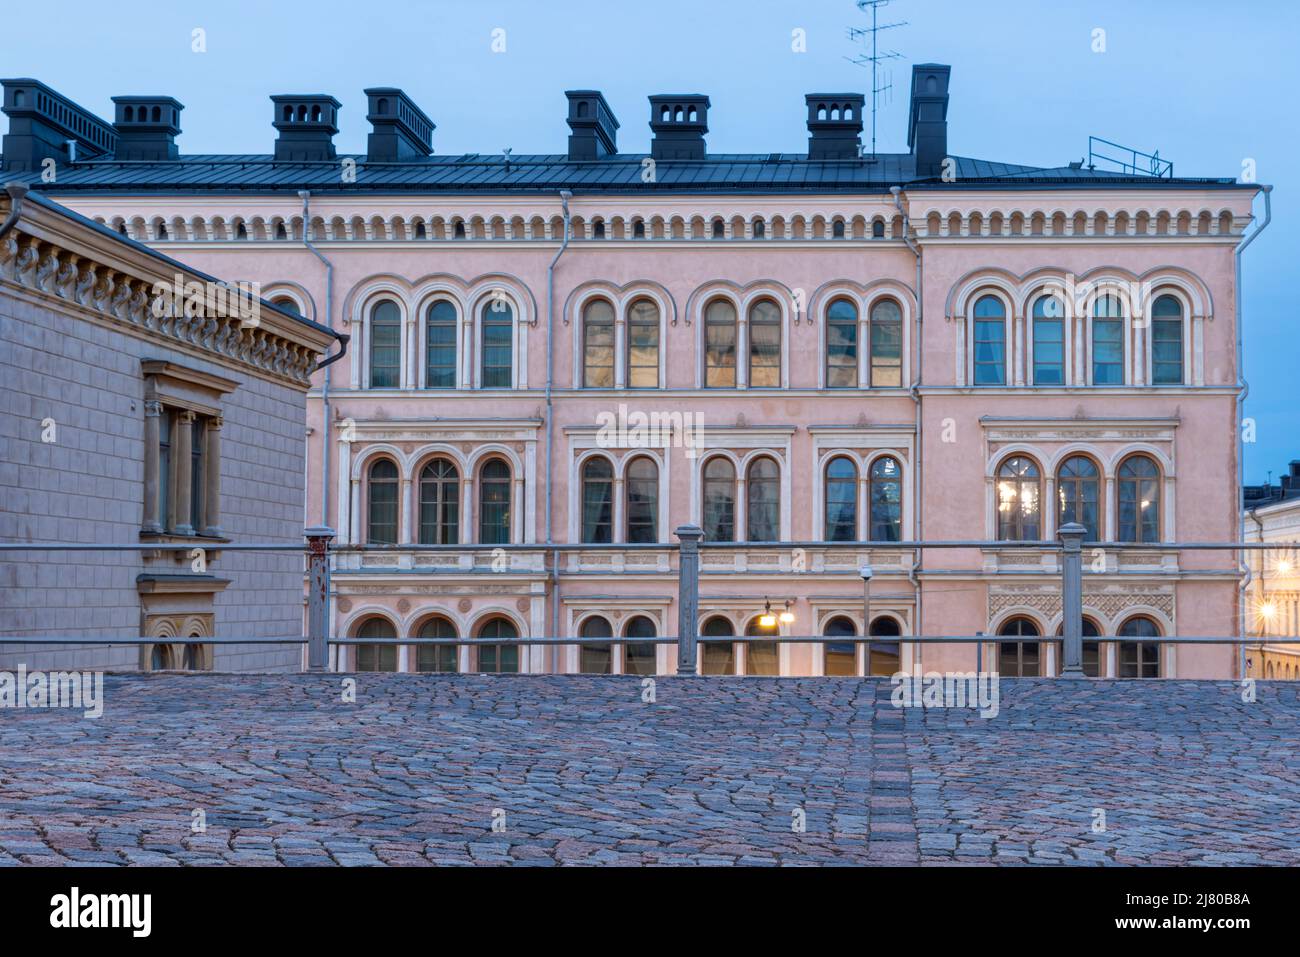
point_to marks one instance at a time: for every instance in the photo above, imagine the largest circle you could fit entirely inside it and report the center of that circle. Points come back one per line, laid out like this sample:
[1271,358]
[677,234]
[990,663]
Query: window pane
[886,501]
[1049,341]
[598,345]
[990,352]
[639,659]
[642,484]
[382,514]
[643,345]
[198,430]
[595,659]
[165,467]
[1167,352]
[719,501]
[763,496]
[1018,500]
[841,501]
[840,656]
[720,345]
[497,367]
[841,345]
[1078,490]
[494,504]
[436,658]
[440,346]
[385,345]
[440,504]
[597,502]
[886,345]
[765,345]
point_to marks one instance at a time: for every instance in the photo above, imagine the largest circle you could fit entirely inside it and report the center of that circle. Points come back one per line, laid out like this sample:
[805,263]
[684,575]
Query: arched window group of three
[1019,496]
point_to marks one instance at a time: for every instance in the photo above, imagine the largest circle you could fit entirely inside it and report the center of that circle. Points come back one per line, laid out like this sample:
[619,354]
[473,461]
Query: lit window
[1139,500]
[494,503]
[1018,500]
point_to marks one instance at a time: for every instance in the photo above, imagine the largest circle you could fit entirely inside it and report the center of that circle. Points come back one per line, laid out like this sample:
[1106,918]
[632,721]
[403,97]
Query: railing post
[1072,599]
[688,598]
[318,541]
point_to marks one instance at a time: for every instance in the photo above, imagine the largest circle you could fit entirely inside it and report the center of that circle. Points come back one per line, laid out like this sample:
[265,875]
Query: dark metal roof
[620,173]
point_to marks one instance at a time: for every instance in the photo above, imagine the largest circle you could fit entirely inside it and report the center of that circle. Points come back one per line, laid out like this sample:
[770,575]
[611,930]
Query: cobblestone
[578,770]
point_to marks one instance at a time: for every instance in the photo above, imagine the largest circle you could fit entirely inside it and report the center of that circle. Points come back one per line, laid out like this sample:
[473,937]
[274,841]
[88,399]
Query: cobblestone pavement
[581,771]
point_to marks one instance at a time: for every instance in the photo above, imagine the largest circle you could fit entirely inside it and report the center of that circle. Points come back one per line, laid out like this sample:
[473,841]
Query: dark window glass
[1139,659]
[765,345]
[1167,341]
[1049,341]
[596,659]
[597,501]
[761,657]
[440,504]
[990,342]
[642,488]
[886,344]
[376,657]
[720,345]
[717,657]
[1078,492]
[1019,659]
[1139,500]
[884,656]
[198,432]
[165,418]
[841,501]
[841,656]
[1018,501]
[1091,649]
[886,500]
[598,345]
[1108,341]
[494,504]
[436,657]
[719,501]
[385,345]
[842,345]
[440,346]
[503,658]
[763,501]
[639,659]
[382,513]
[643,345]
[497,367]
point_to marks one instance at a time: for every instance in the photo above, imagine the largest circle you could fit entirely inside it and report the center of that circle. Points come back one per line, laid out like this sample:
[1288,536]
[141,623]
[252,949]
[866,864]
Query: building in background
[600,346]
[127,422]
[1272,514]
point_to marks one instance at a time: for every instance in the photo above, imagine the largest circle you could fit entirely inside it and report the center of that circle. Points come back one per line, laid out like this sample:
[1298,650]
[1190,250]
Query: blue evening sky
[1208,84]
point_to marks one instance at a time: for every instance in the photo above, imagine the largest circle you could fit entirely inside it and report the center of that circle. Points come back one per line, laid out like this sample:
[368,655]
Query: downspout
[565,196]
[1243,389]
[915,391]
[17,192]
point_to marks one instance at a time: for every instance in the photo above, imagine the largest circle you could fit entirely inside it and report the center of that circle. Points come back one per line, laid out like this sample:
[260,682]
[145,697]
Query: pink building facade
[787,350]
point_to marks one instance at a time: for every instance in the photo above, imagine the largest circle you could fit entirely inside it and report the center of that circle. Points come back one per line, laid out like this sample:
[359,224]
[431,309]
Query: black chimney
[593,124]
[41,122]
[307,123]
[147,127]
[679,122]
[927,127]
[400,131]
[834,125]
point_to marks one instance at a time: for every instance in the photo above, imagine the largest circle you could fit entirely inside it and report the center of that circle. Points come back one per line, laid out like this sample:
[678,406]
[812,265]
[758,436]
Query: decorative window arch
[643,321]
[437,658]
[639,659]
[377,657]
[1048,336]
[719,500]
[385,345]
[494,502]
[440,503]
[886,344]
[1138,507]
[440,334]
[989,340]
[1167,337]
[1078,495]
[842,344]
[720,339]
[764,344]
[1139,658]
[886,500]
[763,500]
[841,498]
[381,502]
[597,501]
[641,511]
[502,654]
[598,344]
[1019,499]
[596,659]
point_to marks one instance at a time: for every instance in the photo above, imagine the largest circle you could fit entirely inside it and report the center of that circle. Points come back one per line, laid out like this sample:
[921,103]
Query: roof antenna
[875,58]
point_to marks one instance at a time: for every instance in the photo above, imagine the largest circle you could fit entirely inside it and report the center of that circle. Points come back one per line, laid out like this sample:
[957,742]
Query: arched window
[1019,517]
[641,486]
[886,345]
[1019,659]
[597,501]
[878,229]
[990,341]
[440,658]
[440,346]
[842,345]
[596,659]
[381,511]
[1049,341]
[284,302]
[439,504]
[719,500]
[639,659]
[598,345]
[1078,493]
[385,345]
[717,657]
[886,500]
[499,657]
[643,345]
[763,501]
[720,345]
[841,657]
[376,657]
[1139,500]
[1091,649]
[1108,340]
[761,657]
[1167,341]
[841,501]
[497,363]
[764,345]
[883,657]
[494,503]
[1139,659]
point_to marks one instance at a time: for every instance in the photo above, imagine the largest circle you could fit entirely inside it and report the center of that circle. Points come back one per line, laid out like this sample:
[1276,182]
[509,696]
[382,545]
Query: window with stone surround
[182,450]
